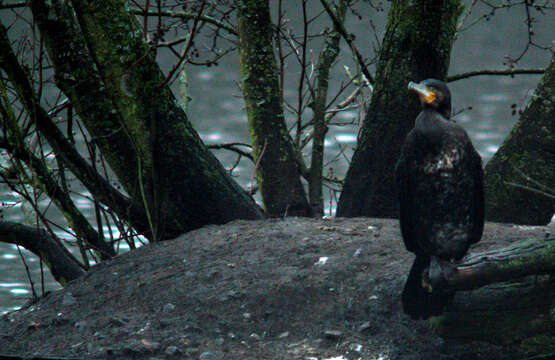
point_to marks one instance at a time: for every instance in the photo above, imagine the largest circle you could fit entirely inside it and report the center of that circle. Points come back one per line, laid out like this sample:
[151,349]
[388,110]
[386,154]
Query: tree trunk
[63,149]
[520,178]
[417,45]
[76,75]
[517,312]
[319,107]
[155,153]
[276,169]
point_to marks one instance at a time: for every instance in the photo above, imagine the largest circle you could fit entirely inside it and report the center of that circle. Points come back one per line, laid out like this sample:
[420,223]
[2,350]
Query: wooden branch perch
[520,259]
[517,313]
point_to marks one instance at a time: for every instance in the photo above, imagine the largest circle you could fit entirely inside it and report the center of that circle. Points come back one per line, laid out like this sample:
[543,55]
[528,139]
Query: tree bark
[59,260]
[520,178]
[276,168]
[161,161]
[76,75]
[417,45]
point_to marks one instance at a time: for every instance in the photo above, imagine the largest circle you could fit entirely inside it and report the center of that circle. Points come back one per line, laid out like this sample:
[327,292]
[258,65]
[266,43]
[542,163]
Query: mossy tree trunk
[276,169]
[110,75]
[417,45]
[77,77]
[520,178]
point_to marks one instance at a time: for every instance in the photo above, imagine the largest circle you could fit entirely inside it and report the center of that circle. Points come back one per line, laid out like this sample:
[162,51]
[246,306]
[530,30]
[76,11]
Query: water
[217,112]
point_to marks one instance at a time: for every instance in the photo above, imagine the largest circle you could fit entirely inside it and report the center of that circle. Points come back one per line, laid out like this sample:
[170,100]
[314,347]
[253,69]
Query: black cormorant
[440,183]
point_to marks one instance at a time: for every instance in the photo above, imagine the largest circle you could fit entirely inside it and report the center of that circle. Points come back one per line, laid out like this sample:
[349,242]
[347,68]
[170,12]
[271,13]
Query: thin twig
[187,47]
[27,272]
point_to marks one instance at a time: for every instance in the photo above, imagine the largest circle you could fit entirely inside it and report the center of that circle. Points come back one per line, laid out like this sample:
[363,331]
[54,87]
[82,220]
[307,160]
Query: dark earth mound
[272,289]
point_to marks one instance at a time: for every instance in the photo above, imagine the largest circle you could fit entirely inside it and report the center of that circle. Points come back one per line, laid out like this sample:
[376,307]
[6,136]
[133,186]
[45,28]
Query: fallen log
[512,298]
[520,259]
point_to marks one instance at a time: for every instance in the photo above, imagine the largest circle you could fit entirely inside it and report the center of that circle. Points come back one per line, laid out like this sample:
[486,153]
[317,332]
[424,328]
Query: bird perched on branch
[440,182]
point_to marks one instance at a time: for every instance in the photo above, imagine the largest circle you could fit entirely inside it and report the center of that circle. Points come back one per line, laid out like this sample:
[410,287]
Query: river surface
[217,112]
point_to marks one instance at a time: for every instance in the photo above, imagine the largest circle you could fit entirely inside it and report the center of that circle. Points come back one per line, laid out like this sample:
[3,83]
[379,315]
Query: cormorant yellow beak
[425,93]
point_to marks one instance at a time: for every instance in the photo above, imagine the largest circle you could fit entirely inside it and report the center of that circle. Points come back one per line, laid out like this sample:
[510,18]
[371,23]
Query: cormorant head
[434,94]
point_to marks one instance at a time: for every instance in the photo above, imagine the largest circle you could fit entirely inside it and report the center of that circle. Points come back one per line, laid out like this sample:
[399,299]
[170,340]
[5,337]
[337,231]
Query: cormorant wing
[479,201]
[405,167]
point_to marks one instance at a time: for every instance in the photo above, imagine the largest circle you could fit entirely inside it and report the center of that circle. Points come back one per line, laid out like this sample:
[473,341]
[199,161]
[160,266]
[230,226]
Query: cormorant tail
[418,303]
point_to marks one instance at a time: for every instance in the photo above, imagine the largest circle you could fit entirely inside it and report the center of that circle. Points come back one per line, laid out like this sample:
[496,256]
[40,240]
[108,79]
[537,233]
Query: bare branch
[233,147]
[63,265]
[186,16]
[505,72]
[213,61]
[187,46]
[13,6]
[349,39]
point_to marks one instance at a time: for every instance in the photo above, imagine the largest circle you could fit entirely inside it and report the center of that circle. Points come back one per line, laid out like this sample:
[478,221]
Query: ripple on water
[495,97]
[491,148]
[485,136]
[12,284]
[347,115]
[20,291]
[211,137]
[83,204]
[205,75]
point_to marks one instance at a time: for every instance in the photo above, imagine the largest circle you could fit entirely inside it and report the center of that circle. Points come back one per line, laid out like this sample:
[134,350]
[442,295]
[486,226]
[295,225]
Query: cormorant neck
[443,110]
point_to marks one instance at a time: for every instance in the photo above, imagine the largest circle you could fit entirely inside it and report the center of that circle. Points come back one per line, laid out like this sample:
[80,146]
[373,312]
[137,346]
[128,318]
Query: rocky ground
[271,289]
